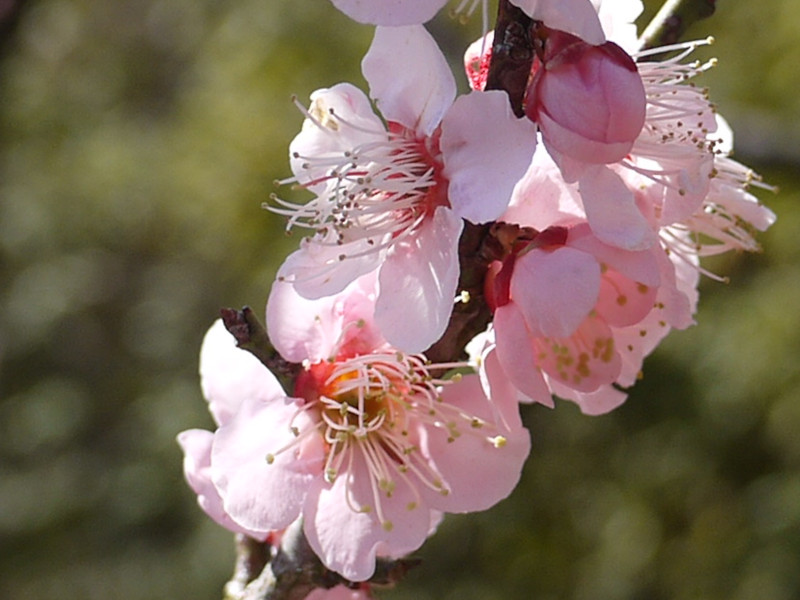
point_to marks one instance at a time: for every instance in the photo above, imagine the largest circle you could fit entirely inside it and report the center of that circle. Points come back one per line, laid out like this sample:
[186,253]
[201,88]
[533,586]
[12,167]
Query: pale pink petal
[347,539]
[390,12]
[542,198]
[639,265]
[486,150]
[634,343]
[355,311]
[584,361]
[196,446]
[229,375]
[323,268]
[409,77]
[516,354]
[678,293]
[738,202]
[478,454]
[601,401]
[573,16]
[256,494]
[612,212]
[497,385]
[418,284]
[622,301]
[340,592]
[555,290]
[302,329]
[690,186]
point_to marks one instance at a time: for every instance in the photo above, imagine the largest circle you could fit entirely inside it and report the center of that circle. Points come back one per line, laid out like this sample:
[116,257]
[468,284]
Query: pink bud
[588,101]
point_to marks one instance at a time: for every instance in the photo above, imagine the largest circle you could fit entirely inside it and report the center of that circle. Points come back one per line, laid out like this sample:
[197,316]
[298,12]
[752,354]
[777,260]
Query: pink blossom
[369,449]
[557,300]
[392,197]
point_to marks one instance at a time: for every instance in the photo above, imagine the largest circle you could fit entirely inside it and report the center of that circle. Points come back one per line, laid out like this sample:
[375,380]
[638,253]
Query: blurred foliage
[138,139]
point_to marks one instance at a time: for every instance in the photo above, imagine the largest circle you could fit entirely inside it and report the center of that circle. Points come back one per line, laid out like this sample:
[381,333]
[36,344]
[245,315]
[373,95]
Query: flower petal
[601,401]
[390,12]
[573,16]
[639,265]
[486,150]
[302,329]
[196,446]
[612,212]
[585,360]
[321,268]
[409,77]
[555,290]
[516,354]
[230,375]
[258,495]
[323,135]
[347,539]
[475,455]
[418,284]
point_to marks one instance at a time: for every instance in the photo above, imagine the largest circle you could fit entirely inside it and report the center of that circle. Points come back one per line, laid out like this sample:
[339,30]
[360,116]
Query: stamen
[366,407]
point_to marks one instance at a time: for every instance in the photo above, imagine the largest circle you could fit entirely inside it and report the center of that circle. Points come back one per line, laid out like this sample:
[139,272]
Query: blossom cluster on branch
[595,189]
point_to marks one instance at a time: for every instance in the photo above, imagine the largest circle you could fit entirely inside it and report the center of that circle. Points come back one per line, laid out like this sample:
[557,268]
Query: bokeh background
[138,139]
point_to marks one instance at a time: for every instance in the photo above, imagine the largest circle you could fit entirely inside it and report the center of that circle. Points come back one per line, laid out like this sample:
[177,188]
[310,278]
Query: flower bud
[589,101]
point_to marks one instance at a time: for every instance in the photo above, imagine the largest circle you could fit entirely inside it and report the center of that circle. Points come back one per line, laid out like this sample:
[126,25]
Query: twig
[672,20]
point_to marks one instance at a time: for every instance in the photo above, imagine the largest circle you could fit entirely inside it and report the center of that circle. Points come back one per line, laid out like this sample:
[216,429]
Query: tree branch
[672,21]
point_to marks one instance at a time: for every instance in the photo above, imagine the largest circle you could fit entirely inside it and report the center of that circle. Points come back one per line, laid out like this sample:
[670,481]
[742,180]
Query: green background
[138,139]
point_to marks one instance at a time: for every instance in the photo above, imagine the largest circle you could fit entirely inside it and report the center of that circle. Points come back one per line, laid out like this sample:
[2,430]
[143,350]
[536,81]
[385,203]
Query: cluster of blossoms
[599,202]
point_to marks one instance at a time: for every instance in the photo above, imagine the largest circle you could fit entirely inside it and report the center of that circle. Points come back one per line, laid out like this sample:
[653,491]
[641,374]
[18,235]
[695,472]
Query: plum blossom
[559,298]
[370,447]
[574,316]
[392,197]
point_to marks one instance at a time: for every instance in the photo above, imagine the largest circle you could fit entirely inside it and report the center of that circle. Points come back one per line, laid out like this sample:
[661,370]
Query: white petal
[409,77]
[486,150]
[321,269]
[352,123]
